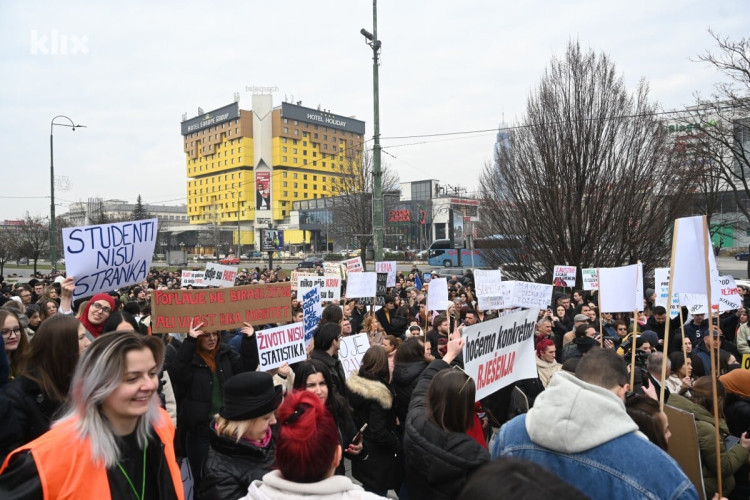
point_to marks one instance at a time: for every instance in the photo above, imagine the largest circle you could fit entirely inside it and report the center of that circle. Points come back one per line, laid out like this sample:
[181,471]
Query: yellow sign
[746,361]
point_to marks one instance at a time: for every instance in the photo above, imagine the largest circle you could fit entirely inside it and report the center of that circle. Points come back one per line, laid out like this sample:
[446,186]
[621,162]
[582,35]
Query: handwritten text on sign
[220,308]
[564,276]
[330,286]
[312,312]
[387,267]
[109,256]
[284,344]
[191,278]
[354,265]
[351,352]
[500,351]
[590,278]
[219,275]
[488,283]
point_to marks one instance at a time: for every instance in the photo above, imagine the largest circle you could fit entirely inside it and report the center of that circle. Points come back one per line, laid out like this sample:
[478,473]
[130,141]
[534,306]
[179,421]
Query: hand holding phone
[355,447]
[357,439]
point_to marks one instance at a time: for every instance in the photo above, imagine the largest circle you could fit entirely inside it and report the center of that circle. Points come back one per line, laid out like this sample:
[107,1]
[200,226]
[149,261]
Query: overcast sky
[130,70]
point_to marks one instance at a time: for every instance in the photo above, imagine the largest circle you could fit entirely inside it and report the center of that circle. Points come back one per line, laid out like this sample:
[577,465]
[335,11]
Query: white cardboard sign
[283,344]
[219,275]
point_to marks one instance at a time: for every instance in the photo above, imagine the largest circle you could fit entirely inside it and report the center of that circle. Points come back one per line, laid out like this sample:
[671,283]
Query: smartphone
[359,435]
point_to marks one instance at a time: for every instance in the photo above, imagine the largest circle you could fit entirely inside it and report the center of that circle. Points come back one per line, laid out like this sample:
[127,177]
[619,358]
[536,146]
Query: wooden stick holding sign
[634,338]
[714,358]
[601,336]
[665,346]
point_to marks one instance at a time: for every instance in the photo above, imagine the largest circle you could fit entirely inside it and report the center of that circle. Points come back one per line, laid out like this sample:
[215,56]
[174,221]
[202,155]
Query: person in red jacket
[114,442]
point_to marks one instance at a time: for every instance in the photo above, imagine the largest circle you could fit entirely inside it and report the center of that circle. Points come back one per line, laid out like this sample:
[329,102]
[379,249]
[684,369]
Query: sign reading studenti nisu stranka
[220,308]
[108,256]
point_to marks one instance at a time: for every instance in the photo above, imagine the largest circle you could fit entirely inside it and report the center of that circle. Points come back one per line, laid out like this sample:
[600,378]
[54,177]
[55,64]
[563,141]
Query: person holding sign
[199,370]
[113,442]
[439,454]
[96,312]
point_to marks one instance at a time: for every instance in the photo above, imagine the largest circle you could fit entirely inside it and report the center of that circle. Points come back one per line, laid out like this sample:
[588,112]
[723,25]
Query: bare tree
[8,248]
[352,201]
[590,178]
[33,238]
[721,122]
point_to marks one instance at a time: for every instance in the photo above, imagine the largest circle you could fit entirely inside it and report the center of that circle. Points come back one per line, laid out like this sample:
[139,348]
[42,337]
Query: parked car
[253,255]
[742,256]
[311,262]
[230,261]
[447,272]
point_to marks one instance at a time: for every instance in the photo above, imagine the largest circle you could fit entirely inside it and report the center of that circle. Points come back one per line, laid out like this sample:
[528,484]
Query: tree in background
[139,211]
[589,178]
[33,238]
[352,200]
[8,248]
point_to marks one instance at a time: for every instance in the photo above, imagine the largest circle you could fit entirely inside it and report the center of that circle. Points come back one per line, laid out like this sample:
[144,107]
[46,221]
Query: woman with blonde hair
[114,441]
[374,330]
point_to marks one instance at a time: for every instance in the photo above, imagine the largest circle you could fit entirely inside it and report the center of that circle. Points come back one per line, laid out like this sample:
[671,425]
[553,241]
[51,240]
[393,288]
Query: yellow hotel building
[246,167]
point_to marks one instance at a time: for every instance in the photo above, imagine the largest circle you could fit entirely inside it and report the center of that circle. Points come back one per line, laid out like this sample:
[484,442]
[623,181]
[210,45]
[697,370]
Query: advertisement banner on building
[271,240]
[262,190]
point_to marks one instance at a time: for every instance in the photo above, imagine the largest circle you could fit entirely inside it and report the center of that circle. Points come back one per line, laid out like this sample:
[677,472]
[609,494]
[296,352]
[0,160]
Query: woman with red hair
[307,454]
[546,365]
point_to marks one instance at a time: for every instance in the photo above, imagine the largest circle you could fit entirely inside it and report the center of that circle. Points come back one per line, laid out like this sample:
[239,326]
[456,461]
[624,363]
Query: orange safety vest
[66,470]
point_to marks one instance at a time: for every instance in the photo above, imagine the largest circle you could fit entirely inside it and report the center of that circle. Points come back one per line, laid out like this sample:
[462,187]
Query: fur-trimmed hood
[370,389]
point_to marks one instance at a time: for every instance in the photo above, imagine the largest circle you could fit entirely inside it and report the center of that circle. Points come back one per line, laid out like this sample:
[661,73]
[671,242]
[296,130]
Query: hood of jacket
[572,416]
[406,373]
[370,389]
[275,487]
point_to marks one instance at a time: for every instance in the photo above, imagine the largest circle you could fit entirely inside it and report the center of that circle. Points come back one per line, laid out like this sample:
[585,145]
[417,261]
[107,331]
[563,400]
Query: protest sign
[108,256]
[661,278]
[696,303]
[220,308]
[295,278]
[381,290]
[527,294]
[500,351]
[361,284]
[331,269]
[564,276]
[219,275]
[746,361]
[438,294]
[283,344]
[351,352]
[729,295]
[691,250]
[505,299]
[487,283]
[621,288]
[590,279]
[387,267]
[192,278]
[330,286]
[354,265]
[312,312]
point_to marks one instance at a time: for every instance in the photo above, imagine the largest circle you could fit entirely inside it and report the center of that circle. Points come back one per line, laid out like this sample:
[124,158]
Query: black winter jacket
[193,381]
[737,412]
[438,462]
[372,403]
[230,467]
[334,367]
[32,410]
[405,378]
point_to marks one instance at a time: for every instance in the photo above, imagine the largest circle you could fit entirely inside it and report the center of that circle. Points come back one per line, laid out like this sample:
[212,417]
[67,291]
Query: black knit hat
[250,395]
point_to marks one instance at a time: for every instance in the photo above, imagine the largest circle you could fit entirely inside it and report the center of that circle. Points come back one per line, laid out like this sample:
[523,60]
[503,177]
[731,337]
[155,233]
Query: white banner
[621,288]
[564,276]
[312,312]
[108,256]
[590,279]
[387,267]
[354,265]
[361,285]
[729,295]
[194,278]
[351,352]
[661,278]
[693,256]
[696,303]
[437,297]
[500,351]
[536,295]
[219,275]
[330,286]
[488,283]
[283,344]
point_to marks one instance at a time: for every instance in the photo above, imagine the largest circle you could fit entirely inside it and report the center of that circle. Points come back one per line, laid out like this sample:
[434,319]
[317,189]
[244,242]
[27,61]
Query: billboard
[271,240]
[262,190]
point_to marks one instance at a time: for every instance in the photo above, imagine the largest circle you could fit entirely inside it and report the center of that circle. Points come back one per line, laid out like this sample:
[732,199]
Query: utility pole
[377,175]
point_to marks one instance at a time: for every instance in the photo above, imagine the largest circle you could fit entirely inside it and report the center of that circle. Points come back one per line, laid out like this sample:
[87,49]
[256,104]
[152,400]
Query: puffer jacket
[192,379]
[731,460]
[438,462]
[372,403]
[405,378]
[231,466]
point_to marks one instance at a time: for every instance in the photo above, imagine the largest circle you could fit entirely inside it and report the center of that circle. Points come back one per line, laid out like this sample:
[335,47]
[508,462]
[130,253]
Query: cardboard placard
[500,351]
[354,265]
[683,446]
[564,276]
[361,284]
[661,277]
[381,289]
[438,294]
[108,256]
[488,283]
[283,344]
[590,279]
[194,278]
[312,312]
[220,308]
[387,267]
[219,275]
[295,278]
[351,352]
[621,288]
[330,286]
[332,269]
[526,294]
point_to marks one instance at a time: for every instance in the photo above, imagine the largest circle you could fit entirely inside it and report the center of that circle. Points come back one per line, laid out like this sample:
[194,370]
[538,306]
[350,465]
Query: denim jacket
[583,434]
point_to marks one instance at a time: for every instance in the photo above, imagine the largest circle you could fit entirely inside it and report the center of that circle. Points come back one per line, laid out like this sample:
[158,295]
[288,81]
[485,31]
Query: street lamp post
[52,222]
[377,174]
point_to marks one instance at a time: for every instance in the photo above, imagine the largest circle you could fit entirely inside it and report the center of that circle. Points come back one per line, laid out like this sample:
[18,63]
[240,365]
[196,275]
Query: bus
[442,253]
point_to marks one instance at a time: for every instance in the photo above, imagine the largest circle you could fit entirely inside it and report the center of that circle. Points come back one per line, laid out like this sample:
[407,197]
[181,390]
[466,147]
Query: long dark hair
[375,365]
[411,350]
[53,355]
[335,402]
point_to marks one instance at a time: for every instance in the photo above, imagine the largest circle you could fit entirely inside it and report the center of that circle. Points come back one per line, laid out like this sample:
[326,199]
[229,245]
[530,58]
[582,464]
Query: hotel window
[295,185]
[304,143]
[296,195]
[294,142]
[305,177]
[294,176]
[283,149]
[304,134]
[304,152]
[294,160]
[286,120]
[283,158]
[304,162]
[295,122]
[286,193]
[286,130]
[296,131]
[294,150]
[283,184]
[283,139]
[283,174]
[315,177]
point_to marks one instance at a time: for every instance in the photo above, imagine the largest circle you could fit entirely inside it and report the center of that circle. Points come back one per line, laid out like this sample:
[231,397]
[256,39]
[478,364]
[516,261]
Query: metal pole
[52,224]
[377,175]
[239,236]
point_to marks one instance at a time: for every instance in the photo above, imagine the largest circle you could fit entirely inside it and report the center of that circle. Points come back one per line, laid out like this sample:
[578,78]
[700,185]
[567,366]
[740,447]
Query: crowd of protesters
[95,405]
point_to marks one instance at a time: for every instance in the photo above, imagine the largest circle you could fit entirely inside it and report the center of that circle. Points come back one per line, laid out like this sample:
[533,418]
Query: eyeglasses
[8,331]
[99,307]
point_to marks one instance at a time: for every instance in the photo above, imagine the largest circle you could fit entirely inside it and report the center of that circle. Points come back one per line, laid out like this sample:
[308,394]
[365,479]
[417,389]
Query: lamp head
[366,34]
